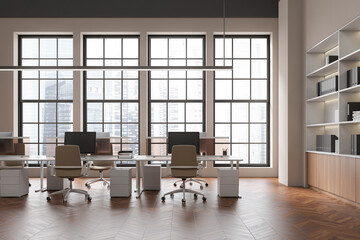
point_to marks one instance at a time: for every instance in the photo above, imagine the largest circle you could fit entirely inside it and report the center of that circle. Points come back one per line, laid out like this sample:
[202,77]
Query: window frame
[21,101]
[249,101]
[103,100]
[167,101]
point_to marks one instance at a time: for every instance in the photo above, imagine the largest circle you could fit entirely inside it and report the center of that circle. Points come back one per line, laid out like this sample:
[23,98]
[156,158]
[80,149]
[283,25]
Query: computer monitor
[183,138]
[85,140]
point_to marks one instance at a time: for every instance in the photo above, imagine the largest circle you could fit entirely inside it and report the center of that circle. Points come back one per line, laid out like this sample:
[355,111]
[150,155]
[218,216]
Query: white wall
[9,29]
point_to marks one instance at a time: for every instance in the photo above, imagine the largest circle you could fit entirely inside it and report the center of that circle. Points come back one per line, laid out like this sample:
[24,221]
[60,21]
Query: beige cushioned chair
[68,164]
[184,165]
[103,147]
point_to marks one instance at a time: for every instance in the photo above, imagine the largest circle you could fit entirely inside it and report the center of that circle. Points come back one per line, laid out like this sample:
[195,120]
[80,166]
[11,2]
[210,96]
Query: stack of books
[355,142]
[327,86]
[353,77]
[356,116]
[352,107]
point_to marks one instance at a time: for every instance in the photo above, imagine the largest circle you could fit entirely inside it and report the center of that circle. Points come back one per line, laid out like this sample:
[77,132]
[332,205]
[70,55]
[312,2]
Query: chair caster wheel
[204,199]
[87,185]
[195,196]
[163,199]
[181,186]
[174,184]
[64,201]
[201,187]
[206,184]
[89,198]
[190,183]
[48,198]
[172,195]
[183,201]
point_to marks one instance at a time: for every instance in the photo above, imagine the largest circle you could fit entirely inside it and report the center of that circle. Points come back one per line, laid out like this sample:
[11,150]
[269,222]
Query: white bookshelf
[327,114]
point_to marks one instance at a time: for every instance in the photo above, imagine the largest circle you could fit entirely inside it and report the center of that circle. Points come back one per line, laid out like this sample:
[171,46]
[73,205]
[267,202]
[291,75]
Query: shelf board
[354,56]
[326,44]
[324,98]
[353,25]
[352,89]
[325,70]
[349,122]
[334,154]
[322,124]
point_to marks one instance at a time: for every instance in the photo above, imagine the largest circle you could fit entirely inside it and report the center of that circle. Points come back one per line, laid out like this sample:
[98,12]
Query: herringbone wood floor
[268,210]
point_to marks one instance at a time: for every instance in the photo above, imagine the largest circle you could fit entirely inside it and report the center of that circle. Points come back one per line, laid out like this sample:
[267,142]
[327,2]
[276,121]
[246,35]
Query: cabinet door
[347,178]
[334,174]
[322,171]
[357,180]
[311,168]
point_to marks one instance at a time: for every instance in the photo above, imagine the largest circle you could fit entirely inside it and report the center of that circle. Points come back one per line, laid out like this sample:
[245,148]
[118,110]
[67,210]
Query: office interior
[260,173]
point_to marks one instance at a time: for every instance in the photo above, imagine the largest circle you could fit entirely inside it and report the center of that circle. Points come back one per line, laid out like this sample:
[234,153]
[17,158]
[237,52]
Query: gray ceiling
[138,8]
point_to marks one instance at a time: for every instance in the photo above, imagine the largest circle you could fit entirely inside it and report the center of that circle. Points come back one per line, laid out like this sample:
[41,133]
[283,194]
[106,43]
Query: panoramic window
[45,97]
[111,98]
[242,100]
[176,98]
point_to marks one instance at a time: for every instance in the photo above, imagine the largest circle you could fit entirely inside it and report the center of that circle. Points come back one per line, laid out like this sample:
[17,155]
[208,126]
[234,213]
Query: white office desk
[140,160]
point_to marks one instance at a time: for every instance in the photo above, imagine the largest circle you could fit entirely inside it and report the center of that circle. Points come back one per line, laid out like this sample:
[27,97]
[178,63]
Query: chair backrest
[183,155]
[103,147]
[68,155]
[102,135]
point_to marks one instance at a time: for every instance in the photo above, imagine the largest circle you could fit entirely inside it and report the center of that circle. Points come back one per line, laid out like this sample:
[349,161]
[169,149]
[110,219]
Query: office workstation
[220,119]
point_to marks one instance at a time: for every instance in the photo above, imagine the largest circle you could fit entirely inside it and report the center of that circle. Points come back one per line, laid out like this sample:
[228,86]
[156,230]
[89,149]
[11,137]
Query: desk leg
[42,189]
[138,189]
[237,167]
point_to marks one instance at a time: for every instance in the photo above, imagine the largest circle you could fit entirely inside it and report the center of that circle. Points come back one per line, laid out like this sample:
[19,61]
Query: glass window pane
[258,153]
[48,74]
[65,112]
[113,62]
[176,112]
[113,74]
[259,89]
[259,47]
[194,89]
[158,48]
[158,130]
[130,112]
[47,132]
[113,89]
[195,48]
[242,48]
[47,62]
[241,89]
[258,133]
[176,127]
[30,112]
[130,89]
[112,112]
[94,89]
[48,89]
[158,112]
[177,89]
[223,89]
[30,48]
[194,127]
[113,129]
[65,47]
[113,48]
[29,74]
[222,130]
[241,68]
[222,112]
[257,112]
[240,133]
[158,89]
[31,131]
[29,89]
[242,151]
[194,112]
[219,48]
[94,48]
[240,112]
[130,48]
[62,128]
[47,112]
[130,131]
[65,88]
[93,110]
[158,149]
[94,128]
[48,48]
[177,48]
[259,68]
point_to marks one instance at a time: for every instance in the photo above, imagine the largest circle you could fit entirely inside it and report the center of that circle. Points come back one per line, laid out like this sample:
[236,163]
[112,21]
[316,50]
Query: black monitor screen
[85,140]
[183,138]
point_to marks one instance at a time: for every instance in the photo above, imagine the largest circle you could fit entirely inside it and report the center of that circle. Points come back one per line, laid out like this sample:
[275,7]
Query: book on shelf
[326,143]
[327,86]
[331,58]
[355,144]
[352,77]
[351,107]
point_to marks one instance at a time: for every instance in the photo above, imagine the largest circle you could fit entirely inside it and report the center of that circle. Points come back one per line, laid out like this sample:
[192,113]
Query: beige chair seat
[102,168]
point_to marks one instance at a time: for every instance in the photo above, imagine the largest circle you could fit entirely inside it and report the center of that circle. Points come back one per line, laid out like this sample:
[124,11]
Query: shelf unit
[326,114]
